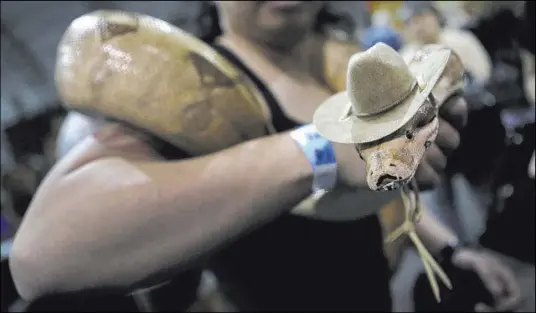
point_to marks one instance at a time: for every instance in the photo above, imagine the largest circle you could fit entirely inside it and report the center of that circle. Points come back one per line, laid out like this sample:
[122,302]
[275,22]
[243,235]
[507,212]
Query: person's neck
[289,59]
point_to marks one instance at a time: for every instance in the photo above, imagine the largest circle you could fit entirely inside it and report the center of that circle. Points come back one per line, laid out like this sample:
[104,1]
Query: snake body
[151,75]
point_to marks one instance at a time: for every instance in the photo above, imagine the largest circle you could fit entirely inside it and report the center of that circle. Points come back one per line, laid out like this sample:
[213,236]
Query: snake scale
[148,74]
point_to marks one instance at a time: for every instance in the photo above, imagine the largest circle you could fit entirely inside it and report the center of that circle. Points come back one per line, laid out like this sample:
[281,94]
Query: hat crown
[378,79]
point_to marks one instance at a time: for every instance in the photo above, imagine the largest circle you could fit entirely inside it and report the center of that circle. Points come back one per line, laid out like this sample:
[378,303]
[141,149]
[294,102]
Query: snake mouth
[390,186]
[389,182]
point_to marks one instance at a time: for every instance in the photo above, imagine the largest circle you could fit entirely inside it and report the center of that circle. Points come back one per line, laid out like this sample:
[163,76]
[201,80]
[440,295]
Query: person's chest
[298,99]
[297,92]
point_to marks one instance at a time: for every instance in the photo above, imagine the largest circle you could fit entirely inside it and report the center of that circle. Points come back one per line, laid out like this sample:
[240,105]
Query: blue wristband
[320,154]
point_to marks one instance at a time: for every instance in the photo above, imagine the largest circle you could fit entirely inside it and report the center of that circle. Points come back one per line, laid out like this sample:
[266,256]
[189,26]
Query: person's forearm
[433,234]
[114,223]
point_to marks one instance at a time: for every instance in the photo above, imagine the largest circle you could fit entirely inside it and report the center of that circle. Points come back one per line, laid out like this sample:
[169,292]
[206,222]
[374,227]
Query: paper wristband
[320,154]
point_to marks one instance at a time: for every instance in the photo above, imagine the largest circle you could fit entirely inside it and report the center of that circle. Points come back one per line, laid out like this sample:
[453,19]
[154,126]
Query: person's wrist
[351,170]
[320,154]
[449,251]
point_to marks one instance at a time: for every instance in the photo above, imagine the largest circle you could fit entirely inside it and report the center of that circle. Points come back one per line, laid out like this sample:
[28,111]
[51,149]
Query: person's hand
[497,277]
[452,118]
[351,169]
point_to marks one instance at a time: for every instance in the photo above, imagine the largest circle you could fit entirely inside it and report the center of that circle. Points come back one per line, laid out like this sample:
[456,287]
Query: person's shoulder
[77,126]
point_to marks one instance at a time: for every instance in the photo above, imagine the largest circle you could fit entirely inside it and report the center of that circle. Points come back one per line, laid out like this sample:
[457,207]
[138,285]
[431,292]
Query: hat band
[387,108]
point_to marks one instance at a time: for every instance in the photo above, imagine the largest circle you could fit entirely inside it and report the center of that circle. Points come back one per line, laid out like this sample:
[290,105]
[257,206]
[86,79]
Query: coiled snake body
[151,75]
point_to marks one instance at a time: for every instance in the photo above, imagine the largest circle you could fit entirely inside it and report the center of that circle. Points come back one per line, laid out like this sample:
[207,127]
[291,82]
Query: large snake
[153,76]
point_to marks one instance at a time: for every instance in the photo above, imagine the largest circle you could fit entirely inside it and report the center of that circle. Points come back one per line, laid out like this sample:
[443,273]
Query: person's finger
[426,177]
[448,138]
[481,307]
[508,303]
[512,295]
[435,157]
[490,280]
[455,111]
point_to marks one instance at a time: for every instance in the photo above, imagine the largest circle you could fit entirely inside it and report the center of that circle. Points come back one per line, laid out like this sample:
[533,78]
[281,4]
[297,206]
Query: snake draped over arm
[155,77]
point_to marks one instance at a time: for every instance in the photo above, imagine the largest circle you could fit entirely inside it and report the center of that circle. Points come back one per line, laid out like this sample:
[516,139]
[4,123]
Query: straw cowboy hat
[383,93]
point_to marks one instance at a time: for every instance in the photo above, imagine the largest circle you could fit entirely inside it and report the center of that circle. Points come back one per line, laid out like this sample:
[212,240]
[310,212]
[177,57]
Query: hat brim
[332,121]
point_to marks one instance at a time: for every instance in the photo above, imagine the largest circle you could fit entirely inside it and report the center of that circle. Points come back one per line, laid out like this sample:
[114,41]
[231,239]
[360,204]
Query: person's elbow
[32,278]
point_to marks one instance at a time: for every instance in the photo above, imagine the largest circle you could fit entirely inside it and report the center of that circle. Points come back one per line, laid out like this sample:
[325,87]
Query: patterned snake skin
[147,73]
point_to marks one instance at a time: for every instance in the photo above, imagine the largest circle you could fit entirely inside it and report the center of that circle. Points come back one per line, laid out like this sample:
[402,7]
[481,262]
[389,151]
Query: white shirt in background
[474,57]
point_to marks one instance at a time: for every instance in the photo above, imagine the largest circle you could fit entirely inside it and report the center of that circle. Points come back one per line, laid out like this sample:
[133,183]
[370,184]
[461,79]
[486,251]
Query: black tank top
[297,263]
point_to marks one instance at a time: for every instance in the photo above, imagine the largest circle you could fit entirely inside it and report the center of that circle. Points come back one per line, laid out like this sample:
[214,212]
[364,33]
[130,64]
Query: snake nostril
[385,179]
[392,165]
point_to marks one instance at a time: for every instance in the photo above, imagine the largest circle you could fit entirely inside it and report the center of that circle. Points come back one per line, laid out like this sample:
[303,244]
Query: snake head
[393,161]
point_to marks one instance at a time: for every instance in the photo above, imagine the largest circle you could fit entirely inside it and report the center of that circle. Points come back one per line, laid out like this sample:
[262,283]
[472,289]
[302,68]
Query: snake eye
[359,152]
[409,134]
[427,143]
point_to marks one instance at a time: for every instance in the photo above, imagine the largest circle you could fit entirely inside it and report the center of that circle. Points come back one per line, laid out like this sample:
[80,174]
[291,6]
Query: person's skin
[129,214]
[424,28]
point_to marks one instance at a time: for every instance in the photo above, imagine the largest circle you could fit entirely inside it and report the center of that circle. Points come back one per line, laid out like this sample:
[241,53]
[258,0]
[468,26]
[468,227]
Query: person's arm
[110,214]
[434,234]
[495,275]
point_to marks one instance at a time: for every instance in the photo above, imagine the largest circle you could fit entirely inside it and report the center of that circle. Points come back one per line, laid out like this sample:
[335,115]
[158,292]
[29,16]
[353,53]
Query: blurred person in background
[33,143]
[511,215]
[506,99]
[424,24]
[497,158]
[123,210]
[381,30]
[476,10]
